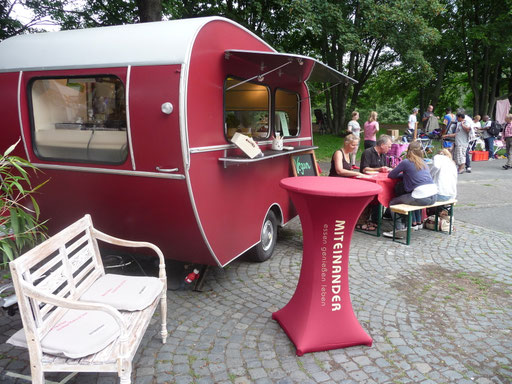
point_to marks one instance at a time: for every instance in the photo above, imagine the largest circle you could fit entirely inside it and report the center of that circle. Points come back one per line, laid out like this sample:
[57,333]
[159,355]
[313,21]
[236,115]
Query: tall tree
[361,37]
[485,31]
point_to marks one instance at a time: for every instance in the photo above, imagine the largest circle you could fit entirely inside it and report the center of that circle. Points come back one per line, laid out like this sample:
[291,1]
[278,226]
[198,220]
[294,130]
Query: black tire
[268,236]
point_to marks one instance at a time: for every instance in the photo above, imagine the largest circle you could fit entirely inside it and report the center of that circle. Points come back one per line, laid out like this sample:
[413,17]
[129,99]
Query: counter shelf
[267,154]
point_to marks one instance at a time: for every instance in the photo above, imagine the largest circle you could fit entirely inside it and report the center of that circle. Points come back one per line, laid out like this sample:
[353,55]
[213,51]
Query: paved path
[439,311]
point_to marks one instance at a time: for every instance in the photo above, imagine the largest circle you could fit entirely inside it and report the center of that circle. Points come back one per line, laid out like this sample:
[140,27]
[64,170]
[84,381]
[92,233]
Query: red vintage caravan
[133,123]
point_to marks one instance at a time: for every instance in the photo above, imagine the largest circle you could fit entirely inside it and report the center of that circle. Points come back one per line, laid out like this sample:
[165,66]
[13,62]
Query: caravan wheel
[263,251]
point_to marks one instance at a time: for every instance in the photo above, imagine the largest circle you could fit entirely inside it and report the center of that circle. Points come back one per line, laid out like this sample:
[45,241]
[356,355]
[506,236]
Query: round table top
[330,186]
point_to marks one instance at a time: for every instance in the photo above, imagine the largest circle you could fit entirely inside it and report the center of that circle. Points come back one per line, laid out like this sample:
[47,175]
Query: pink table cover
[319,316]
[388,187]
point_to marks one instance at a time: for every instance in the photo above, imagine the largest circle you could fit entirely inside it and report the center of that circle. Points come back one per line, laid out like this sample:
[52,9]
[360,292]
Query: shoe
[460,172]
[417,227]
[468,170]
[398,234]
[366,227]
[506,167]
[491,158]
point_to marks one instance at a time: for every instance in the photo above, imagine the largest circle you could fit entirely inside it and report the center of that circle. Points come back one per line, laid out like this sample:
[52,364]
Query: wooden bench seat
[406,209]
[50,280]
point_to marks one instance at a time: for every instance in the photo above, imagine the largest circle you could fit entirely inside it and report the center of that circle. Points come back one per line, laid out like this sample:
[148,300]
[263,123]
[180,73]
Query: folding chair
[426,145]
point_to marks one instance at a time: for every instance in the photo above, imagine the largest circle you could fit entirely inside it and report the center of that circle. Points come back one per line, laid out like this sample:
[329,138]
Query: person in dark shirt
[426,115]
[374,158]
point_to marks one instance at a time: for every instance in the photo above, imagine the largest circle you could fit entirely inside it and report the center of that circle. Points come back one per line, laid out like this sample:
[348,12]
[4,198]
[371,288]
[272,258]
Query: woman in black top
[340,162]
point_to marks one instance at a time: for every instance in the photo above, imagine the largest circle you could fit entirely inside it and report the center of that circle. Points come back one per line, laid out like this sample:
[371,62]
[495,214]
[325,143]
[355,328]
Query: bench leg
[163,314]
[409,225]
[451,218]
[37,375]
[125,376]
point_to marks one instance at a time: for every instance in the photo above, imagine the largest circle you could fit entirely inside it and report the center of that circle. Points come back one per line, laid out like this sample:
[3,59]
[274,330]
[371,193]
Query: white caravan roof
[156,43]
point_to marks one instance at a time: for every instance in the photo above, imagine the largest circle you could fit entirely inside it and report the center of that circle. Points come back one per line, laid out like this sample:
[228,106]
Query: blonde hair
[415,155]
[477,118]
[446,153]
[509,117]
[354,114]
[350,138]
[373,116]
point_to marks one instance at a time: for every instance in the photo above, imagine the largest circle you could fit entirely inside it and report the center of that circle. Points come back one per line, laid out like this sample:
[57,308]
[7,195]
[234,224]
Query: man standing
[374,158]
[461,139]
[429,112]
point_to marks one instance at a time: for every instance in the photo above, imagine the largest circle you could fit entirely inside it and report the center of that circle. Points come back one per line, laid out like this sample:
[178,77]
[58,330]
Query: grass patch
[327,144]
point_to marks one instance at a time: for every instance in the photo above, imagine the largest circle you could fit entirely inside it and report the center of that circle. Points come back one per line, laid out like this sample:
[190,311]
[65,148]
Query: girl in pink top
[371,127]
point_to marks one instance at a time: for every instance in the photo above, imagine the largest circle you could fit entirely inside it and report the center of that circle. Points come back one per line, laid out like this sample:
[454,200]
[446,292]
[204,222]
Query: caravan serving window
[287,113]
[246,109]
[79,119]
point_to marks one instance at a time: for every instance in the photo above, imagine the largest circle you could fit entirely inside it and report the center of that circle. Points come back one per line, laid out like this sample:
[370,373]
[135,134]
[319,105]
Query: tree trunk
[494,90]
[439,81]
[149,10]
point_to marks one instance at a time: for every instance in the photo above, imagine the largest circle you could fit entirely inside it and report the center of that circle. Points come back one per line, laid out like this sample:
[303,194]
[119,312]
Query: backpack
[494,129]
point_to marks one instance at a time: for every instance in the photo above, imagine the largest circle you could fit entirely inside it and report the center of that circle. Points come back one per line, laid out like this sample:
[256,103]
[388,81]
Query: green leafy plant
[20,227]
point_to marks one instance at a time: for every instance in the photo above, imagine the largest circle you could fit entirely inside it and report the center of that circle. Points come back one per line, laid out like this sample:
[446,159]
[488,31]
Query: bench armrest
[134,244]
[49,298]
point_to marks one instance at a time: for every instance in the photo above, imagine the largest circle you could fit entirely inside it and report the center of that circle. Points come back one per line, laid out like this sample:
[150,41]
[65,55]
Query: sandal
[366,227]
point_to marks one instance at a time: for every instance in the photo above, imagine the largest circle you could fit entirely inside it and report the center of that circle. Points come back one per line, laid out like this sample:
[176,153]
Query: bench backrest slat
[64,265]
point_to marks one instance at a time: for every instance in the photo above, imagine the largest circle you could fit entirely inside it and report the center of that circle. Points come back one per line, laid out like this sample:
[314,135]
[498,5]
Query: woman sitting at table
[341,167]
[340,162]
[418,186]
[444,174]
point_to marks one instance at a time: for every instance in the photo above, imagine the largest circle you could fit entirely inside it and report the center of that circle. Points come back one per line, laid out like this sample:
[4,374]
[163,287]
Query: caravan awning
[304,67]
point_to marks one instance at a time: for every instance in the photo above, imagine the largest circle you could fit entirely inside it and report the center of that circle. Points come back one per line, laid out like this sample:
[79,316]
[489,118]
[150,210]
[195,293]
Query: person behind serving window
[374,158]
[418,185]
[355,129]
[371,127]
[444,175]
[340,161]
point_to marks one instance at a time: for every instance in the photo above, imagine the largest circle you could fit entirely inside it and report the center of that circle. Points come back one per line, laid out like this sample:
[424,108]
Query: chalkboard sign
[304,164]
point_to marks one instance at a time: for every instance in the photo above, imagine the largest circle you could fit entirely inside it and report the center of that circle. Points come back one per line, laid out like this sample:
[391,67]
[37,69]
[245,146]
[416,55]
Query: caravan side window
[79,119]
[287,113]
[246,109]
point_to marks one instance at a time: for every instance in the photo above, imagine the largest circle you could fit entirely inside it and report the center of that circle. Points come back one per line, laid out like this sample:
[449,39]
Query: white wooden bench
[406,209]
[49,281]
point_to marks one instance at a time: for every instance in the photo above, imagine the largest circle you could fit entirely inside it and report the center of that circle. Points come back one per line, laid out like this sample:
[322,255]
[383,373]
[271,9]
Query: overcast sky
[25,15]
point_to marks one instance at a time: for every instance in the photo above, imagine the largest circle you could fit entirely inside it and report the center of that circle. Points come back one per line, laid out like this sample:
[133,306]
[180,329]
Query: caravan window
[246,109]
[79,119]
[287,113]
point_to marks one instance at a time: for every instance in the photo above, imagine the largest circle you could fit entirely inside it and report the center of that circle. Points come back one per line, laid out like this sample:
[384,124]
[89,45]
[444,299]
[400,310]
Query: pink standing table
[319,316]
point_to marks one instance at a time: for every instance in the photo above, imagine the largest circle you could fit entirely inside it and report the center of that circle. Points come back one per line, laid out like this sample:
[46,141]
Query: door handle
[167,170]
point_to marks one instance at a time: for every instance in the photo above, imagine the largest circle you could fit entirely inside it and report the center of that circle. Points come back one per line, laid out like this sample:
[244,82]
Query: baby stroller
[435,134]
[394,156]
